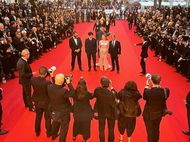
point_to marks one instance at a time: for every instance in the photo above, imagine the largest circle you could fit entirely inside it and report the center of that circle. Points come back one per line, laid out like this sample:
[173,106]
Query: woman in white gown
[103,51]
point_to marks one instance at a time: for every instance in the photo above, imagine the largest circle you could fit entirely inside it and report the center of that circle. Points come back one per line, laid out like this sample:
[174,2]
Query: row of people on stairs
[39,32]
[168,34]
[53,100]
[105,47]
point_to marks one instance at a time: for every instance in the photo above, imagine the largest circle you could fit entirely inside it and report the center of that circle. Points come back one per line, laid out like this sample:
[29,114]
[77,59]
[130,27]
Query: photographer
[155,107]
[41,100]
[105,108]
[60,105]
[2,132]
[187,103]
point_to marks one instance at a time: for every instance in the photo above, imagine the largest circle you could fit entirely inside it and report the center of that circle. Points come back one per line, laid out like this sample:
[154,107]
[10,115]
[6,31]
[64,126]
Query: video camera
[148,76]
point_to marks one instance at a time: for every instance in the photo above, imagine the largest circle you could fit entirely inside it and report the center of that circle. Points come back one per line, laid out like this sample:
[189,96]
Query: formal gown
[103,51]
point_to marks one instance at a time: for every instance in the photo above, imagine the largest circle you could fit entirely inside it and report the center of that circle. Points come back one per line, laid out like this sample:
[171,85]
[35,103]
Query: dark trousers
[127,123]
[74,55]
[63,125]
[153,129]
[93,56]
[115,62]
[130,25]
[111,125]
[82,127]
[188,117]
[143,65]
[47,115]
[1,115]
[26,92]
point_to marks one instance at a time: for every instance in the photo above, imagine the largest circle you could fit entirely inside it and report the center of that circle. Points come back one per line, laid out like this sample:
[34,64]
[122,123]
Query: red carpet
[20,122]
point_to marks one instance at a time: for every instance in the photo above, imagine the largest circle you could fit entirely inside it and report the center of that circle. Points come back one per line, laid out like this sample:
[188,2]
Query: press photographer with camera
[60,105]
[155,107]
[41,99]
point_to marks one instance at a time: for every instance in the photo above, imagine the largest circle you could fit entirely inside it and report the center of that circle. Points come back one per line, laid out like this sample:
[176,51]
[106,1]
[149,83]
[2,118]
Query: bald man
[60,105]
[25,74]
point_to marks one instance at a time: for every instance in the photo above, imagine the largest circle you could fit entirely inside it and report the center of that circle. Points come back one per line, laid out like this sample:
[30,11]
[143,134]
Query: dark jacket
[144,51]
[155,103]
[73,45]
[82,109]
[105,103]
[24,70]
[59,98]
[90,46]
[114,50]
[128,100]
[40,95]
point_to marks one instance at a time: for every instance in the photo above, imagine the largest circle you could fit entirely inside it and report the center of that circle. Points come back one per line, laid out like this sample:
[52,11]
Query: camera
[67,77]
[148,76]
[52,69]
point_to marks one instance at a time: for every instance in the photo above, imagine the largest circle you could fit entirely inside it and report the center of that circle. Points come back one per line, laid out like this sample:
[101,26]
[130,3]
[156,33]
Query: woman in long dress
[103,51]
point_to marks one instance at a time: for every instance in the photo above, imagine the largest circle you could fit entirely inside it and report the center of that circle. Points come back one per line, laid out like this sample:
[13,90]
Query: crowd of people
[167,31]
[37,27]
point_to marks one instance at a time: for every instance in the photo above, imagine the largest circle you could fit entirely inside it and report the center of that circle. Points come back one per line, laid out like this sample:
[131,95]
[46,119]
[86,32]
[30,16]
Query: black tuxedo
[61,107]
[91,49]
[106,107]
[153,111]
[144,55]
[75,54]
[107,26]
[41,100]
[115,50]
[25,74]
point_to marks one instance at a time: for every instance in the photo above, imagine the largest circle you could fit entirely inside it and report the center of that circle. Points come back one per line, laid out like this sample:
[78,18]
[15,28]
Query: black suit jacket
[40,95]
[73,45]
[90,45]
[144,52]
[114,50]
[105,103]
[59,98]
[155,103]
[24,70]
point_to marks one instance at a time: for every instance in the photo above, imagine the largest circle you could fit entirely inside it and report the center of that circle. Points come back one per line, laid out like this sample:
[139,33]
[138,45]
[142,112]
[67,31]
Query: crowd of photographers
[37,27]
[168,32]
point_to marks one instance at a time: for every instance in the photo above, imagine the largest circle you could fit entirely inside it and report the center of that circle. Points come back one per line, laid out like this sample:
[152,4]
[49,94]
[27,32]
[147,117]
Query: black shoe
[186,132]
[117,71]
[89,69]
[166,111]
[37,134]
[72,69]
[2,132]
[81,69]
[32,109]
[95,69]
[74,139]
[112,70]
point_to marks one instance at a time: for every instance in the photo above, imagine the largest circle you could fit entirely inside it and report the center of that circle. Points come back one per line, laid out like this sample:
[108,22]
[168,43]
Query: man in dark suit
[144,54]
[41,100]
[115,51]
[75,44]
[105,108]
[155,98]
[60,106]
[187,103]
[2,132]
[91,49]
[25,74]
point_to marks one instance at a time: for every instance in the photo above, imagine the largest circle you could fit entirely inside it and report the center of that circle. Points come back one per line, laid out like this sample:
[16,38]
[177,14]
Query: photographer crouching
[41,99]
[155,107]
[60,105]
